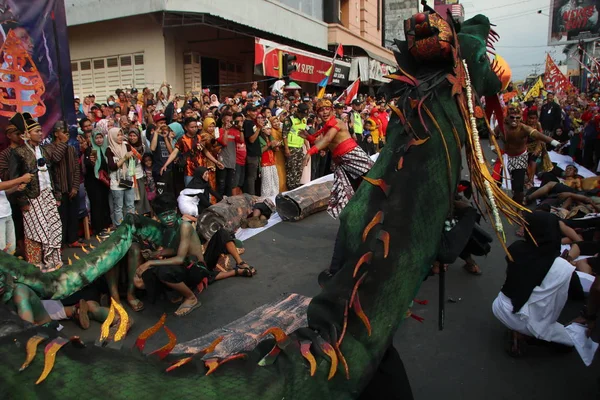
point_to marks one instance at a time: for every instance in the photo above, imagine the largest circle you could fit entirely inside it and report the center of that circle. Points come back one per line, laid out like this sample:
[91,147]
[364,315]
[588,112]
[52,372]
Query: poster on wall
[35,68]
[573,20]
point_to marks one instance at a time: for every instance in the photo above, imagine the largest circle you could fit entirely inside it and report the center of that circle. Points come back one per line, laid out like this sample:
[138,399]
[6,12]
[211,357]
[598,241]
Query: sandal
[241,271]
[187,308]
[81,314]
[136,305]
[473,269]
[245,265]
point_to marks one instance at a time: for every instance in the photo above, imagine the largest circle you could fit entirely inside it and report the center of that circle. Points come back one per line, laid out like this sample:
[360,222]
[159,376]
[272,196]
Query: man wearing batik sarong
[350,160]
[41,220]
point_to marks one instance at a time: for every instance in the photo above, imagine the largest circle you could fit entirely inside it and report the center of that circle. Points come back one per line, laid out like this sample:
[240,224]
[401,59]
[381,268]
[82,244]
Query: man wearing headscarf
[351,162]
[39,201]
[537,284]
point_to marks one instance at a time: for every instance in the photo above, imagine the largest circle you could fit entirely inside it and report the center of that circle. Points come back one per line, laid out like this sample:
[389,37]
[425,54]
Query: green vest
[293,139]
[357,123]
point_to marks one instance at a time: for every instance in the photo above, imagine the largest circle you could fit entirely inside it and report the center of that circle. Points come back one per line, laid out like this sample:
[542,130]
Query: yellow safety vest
[357,123]
[294,140]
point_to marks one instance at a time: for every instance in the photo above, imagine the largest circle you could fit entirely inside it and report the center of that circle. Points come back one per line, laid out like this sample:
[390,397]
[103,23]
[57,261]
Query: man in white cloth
[536,286]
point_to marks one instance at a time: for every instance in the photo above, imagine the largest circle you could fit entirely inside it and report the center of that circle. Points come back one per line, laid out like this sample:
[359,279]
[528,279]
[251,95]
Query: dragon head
[489,76]
[476,38]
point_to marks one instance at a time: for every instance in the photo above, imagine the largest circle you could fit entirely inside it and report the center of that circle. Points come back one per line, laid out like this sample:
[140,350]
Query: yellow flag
[535,90]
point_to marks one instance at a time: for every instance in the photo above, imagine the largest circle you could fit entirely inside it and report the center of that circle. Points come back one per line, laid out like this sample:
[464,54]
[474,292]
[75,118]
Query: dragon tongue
[492,106]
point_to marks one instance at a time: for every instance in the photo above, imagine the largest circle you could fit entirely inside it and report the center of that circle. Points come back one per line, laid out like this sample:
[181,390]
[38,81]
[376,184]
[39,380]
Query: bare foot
[187,306]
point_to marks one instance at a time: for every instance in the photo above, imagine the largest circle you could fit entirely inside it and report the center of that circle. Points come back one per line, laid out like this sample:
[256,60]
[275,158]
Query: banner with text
[571,21]
[311,67]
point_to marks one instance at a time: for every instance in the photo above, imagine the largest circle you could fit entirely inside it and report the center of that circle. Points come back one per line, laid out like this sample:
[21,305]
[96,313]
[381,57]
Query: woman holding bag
[121,164]
[97,183]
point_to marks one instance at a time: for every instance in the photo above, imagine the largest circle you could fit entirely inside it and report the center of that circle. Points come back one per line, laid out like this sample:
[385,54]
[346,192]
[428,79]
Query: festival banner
[35,71]
[310,67]
[535,90]
[555,81]
[571,21]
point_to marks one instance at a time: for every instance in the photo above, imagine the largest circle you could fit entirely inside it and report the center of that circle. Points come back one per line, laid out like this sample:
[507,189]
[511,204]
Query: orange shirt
[188,150]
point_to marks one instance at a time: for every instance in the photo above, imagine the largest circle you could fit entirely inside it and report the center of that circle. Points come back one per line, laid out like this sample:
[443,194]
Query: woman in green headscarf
[97,182]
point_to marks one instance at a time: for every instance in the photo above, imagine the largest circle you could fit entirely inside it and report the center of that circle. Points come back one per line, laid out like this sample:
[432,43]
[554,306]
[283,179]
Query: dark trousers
[17,216]
[252,164]
[69,216]
[589,145]
[225,181]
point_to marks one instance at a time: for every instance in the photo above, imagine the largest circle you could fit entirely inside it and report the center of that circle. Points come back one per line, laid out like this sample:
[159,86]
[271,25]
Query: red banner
[310,67]
[555,81]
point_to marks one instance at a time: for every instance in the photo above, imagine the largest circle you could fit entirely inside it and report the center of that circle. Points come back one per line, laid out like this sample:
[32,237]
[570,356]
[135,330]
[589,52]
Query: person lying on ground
[184,267]
[31,308]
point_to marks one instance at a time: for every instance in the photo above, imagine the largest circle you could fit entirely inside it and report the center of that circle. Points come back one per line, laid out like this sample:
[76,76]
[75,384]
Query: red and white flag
[350,93]
[555,81]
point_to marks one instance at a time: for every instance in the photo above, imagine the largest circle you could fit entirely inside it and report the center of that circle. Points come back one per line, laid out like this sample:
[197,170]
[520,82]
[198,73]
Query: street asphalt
[465,361]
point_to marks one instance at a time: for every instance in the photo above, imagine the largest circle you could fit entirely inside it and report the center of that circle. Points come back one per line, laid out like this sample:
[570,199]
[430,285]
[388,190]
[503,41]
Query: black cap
[356,102]
[338,105]
[302,108]
[249,107]
[306,98]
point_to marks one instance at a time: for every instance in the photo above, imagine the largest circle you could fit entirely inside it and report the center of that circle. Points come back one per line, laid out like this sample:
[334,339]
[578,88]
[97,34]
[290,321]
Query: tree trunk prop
[304,201]
[227,214]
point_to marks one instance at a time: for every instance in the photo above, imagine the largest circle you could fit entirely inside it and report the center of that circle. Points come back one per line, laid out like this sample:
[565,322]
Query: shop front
[310,67]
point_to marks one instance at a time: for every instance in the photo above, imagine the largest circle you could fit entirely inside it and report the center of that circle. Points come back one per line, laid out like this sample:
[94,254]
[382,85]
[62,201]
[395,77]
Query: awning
[368,66]
[311,67]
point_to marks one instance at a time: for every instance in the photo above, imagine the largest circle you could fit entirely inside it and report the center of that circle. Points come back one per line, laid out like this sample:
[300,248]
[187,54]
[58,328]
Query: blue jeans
[122,199]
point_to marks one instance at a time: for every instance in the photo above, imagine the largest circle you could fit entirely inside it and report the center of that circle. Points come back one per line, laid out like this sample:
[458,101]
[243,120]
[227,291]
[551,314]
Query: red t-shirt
[240,146]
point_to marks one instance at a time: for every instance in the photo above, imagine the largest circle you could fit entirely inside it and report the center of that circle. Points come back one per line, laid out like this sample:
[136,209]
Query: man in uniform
[516,159]
[355,120]
[293,131]
[351,162]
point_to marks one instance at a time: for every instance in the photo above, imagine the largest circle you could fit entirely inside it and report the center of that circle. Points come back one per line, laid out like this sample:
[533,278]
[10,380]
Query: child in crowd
[150,185]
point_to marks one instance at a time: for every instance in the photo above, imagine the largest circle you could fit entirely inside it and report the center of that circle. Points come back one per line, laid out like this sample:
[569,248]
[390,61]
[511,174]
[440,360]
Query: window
[102,76]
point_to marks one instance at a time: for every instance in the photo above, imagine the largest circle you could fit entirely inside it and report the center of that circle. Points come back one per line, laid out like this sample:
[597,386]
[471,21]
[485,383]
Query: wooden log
[228,214]
[287,313]
[304,201]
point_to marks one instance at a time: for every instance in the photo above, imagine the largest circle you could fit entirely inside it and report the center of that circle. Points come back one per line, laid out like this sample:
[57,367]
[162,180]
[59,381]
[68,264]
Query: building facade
[223,46]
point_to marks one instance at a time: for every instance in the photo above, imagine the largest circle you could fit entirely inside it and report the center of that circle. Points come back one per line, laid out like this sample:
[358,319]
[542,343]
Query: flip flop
[188,309]
[136,305]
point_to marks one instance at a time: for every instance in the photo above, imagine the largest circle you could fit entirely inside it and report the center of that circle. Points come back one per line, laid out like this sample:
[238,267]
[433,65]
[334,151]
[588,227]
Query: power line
[520,14]
[506,5]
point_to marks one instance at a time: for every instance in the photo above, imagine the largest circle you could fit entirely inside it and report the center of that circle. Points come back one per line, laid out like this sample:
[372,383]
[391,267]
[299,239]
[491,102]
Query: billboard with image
[573,20]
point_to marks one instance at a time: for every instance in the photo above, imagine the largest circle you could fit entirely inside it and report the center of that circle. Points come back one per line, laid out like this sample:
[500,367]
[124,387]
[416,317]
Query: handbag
[104,178]
[125,182]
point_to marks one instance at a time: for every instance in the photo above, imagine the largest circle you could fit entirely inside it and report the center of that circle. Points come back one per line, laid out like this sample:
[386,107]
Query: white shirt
[5,210]
[43,174]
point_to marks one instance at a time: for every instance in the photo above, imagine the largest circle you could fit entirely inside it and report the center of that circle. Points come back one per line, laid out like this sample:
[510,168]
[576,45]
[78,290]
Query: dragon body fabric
[391,232]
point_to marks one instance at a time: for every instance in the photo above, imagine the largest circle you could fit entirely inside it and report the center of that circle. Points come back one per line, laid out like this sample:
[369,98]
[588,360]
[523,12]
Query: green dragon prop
[391,229]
